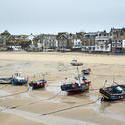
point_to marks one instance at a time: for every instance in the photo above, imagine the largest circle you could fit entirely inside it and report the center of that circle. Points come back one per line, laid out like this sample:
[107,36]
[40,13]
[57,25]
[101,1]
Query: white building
[39,45]
[123,44]
[88,42]
[102,43]
[88,48]
[16,48]
[49,41]
[30,37]
[77,43]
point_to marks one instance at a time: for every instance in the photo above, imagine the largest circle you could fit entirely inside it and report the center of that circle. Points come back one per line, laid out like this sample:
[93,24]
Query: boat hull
[38,84]
[19,82]
[74,88]
[111,96]
[35,86]
[5,80]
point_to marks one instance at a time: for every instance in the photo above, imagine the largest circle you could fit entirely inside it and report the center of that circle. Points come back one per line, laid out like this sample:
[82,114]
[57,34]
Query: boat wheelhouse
[18,79]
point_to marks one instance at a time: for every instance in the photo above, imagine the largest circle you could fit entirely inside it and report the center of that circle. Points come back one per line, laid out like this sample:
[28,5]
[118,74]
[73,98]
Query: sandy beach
[50,106]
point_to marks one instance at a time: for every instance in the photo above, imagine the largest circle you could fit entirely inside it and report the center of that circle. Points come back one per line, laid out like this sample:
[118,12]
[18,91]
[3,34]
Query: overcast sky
[52,16]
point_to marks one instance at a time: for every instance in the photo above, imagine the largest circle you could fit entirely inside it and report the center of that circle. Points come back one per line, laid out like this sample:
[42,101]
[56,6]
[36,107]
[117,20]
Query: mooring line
[15,93]
[72,107]
[33,102]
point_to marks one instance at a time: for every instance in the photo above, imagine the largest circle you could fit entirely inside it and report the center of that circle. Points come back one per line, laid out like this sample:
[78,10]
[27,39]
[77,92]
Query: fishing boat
[75,63]
[86,71]
[5,80]
[113,92]
[79,84]
[38,84]
[18,79]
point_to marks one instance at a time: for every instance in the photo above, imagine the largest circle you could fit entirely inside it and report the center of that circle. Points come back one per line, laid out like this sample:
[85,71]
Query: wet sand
[51,106]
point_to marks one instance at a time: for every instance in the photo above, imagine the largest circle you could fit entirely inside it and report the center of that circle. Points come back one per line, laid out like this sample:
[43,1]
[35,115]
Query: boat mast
[78,74]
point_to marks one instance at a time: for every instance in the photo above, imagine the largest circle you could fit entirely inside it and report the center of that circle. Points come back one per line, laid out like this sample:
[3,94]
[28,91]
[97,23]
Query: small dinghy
[114,92]
[5,80]
[86,71]
[38,84]
[18,79]
[75,63]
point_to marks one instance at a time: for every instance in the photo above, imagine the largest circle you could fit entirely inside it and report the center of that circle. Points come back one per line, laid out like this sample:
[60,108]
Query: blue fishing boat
[79,84]
[18,79]
[114,92]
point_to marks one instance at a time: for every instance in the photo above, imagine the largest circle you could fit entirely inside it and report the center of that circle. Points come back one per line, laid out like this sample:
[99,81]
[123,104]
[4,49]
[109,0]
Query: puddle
[102,108]
[115,116]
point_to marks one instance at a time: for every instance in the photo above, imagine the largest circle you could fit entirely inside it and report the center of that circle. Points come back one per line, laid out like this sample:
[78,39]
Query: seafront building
[92,42]
[103,42]
[117,37]
[88,42]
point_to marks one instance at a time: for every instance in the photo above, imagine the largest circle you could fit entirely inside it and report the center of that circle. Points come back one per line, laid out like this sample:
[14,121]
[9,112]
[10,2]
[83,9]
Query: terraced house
[88,42]
[100,41]
[65,40]
[103,42]
[117,37]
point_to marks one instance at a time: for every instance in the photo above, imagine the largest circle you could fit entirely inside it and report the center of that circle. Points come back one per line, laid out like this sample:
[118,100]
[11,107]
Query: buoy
[73,86]
[85,81]
[103,88]
[90,83]
[45,82]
